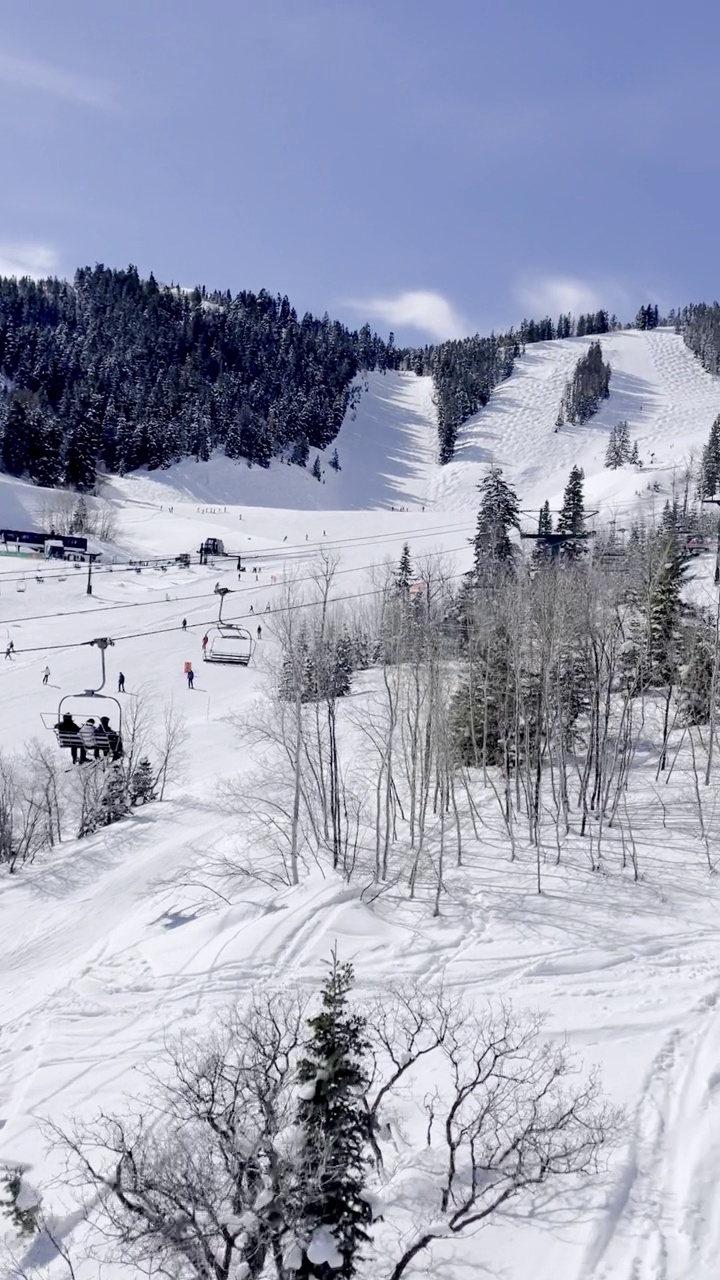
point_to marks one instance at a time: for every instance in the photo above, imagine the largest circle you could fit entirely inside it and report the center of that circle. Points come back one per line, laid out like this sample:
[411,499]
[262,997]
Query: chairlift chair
[92,703]
[229,643]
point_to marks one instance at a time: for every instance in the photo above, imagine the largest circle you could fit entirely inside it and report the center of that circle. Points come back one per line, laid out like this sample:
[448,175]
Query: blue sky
[434,167]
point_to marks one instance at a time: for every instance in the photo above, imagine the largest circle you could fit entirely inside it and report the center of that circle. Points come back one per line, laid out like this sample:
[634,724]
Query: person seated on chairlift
[102,743]
[67,729]
[89,739]
[112,737]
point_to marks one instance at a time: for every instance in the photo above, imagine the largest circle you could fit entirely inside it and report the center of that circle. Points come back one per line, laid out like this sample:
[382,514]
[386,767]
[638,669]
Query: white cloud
[36,260]
[421,309]
[40,77]
[555,295]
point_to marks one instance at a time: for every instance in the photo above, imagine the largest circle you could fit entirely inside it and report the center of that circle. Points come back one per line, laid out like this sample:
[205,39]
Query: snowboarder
[10,650]
[184,624]
[121,683]
[46,675]
[259,633]
[191,679]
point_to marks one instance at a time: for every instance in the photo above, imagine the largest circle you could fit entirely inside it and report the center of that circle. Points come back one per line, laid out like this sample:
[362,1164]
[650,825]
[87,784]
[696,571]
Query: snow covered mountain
[388,447]
[110,943]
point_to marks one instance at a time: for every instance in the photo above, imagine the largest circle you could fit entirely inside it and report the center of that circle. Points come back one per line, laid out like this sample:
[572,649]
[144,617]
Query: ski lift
[697,546]
[229,643]
[76,708]
[20,585]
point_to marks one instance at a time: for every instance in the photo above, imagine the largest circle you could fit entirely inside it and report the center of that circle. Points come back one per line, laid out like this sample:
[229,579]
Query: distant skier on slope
[191,679]
[46,675]
[10,650]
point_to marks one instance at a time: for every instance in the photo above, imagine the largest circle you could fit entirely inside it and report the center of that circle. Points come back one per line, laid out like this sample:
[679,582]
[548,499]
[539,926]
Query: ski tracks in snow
[662,1220]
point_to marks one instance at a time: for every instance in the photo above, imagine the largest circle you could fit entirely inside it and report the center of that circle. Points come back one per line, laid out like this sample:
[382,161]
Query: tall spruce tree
[572,515]
[710,470]
[16,436]
[618,450]
[545,518]
[590,384]
[664,600]
[542,552]
[332,1116]
[499,514]
[404,575]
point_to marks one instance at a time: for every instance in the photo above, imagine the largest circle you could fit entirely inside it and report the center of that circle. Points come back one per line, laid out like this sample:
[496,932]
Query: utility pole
[88,589]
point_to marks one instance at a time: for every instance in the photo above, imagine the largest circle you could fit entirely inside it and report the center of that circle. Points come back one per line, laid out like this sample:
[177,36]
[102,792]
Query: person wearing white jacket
[89,739]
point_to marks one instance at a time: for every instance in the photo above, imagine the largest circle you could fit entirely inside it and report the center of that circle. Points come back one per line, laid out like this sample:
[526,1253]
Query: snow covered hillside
[388,447]
[143,930]
[657,386]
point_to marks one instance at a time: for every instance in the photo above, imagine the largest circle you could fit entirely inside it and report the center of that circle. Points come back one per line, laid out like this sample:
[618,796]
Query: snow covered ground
[113,942]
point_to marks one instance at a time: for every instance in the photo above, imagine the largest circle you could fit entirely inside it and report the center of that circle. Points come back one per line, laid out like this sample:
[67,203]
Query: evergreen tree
[545,518]
[618,450]
[664,600]
[695,672]
[80,459]
[316,468]
[634,456]
[301,451]
[332,1117]
[710,466]
[404,575]
[343,664]
[142,783]
[16,437]
[494,553]
[483,708]
[590,384]
[542,552]
[115,802]
[572,515]
[335,461]
[20,1203]
[647,317]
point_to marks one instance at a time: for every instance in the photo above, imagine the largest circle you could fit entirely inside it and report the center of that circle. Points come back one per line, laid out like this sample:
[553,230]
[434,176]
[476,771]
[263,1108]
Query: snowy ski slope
[113,942]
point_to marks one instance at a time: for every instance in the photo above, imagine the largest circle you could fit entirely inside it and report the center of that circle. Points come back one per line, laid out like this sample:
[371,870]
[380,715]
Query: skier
[191,679]
[121,683]
[46,675]
[251,609]
[205,642]
[184,624]
[267,607]
[10,650]
[259,633]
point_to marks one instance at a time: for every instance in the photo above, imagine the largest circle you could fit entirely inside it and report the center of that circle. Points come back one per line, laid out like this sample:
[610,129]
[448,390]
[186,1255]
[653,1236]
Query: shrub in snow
[20,1202]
